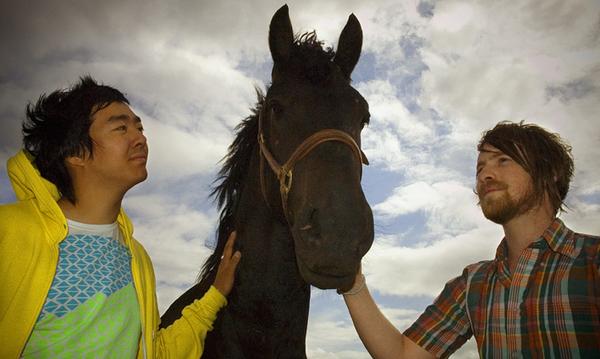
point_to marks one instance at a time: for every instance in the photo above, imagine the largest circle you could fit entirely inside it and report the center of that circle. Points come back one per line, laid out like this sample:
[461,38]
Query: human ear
[75,161]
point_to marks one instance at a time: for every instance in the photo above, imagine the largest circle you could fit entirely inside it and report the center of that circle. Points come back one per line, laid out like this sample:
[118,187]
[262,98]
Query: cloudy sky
[435,73]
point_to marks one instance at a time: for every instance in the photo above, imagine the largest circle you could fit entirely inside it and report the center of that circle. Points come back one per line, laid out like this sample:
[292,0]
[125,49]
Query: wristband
[357,287]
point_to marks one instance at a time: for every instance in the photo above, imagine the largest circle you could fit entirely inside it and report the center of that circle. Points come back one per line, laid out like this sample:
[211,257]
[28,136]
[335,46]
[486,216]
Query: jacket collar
[28,184]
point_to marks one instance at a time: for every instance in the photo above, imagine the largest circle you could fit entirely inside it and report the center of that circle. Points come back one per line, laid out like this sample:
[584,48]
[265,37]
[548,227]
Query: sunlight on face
[504,188]
[120,147]
[502,207]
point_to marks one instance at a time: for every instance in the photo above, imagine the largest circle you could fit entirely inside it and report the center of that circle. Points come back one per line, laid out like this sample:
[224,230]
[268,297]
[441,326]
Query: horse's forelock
[309,60]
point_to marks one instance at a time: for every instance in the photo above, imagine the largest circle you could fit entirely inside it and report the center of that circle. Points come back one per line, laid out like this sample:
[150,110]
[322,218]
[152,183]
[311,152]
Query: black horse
[302,223]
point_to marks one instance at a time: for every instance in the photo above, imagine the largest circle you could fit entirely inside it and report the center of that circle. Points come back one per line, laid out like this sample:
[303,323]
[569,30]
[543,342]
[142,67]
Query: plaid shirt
[549,308]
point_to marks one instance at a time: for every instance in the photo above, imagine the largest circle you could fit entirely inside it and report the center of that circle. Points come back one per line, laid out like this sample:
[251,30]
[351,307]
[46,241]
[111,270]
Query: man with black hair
[539,297]
[73,280]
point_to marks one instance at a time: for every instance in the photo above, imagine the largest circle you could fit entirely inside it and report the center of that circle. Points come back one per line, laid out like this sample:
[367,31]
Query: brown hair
[544,155]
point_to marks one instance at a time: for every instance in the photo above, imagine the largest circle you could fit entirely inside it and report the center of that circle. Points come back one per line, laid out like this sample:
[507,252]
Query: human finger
[229,245]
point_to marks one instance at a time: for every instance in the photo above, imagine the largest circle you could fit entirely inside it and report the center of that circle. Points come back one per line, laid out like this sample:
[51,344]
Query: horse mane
[308,60]
[229,181]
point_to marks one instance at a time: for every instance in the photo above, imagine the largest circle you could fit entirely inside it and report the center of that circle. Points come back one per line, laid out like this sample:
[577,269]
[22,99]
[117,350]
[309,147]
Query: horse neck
[270,298]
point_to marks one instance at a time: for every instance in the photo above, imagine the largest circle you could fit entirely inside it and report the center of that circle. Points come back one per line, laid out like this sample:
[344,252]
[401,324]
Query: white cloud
[389,113]
[408,199]
[385,27]
[497,61]
[583,216]
[435,83]
[175,153]
[450,206]
[331,333]
[328,337]
[5,155]
[424,270]
[385,149]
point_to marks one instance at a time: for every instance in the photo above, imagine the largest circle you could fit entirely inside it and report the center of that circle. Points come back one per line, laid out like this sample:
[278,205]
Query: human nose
[485,174]
[140,139]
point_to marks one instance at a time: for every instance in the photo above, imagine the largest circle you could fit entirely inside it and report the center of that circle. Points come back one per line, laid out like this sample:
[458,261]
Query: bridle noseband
[284,172]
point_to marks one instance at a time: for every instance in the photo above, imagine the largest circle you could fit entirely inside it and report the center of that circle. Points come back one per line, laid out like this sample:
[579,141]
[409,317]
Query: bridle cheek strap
[284,172]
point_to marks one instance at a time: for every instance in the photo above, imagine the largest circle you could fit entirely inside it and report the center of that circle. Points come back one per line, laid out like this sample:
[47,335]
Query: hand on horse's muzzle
[357,285]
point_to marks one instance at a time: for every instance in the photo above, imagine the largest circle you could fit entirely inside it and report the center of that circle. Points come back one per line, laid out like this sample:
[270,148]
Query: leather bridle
[284,173]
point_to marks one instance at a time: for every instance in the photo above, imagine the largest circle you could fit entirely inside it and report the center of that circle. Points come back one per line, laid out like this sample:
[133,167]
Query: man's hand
[226,271]
[357,285]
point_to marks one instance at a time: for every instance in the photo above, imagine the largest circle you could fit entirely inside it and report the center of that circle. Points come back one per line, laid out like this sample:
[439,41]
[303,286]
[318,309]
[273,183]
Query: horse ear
[281,35]
[349,46]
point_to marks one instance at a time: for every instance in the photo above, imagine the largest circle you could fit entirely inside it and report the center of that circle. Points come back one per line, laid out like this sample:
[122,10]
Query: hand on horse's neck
[270,299]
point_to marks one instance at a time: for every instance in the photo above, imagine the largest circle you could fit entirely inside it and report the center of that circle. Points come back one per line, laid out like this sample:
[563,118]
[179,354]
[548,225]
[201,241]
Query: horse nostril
[310,230]
[313,222]
[313,215]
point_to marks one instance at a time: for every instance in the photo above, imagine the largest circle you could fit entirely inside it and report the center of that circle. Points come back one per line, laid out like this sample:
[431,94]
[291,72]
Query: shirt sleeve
[444,326]
[180,338]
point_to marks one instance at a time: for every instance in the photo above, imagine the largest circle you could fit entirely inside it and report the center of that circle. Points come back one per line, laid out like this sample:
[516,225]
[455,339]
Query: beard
[502,209]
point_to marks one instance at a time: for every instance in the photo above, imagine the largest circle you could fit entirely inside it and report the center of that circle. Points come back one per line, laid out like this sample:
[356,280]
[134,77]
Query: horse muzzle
[329,248]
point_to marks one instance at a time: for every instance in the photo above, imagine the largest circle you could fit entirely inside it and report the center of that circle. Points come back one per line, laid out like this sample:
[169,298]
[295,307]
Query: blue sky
[436,74]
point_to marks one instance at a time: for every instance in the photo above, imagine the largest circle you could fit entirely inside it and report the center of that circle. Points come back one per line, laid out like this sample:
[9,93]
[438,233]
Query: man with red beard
[539,297]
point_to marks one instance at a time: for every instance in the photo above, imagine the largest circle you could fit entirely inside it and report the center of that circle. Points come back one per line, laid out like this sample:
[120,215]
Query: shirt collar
[561,239]
[502,263]
[557,236]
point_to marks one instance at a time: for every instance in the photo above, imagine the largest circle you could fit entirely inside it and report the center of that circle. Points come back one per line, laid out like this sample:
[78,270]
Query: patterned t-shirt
[91,309]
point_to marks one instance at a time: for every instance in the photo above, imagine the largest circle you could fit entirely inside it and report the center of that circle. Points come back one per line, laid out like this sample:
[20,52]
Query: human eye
[505,160]
[120,128]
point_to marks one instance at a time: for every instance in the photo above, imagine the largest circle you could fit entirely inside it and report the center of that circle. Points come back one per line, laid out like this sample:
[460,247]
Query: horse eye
[276,107]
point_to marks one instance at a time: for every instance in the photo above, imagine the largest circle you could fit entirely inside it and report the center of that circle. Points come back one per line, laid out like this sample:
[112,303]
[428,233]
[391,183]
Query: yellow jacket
[30,231]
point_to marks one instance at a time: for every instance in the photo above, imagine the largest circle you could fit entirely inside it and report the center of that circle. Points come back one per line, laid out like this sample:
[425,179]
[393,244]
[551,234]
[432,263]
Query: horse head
[309,130]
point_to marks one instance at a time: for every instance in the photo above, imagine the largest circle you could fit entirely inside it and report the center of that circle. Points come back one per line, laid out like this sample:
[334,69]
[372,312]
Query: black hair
[57,126]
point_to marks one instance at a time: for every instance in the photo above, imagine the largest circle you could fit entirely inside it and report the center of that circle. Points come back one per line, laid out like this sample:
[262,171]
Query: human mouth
[492,187]
[142,158]
[490,190]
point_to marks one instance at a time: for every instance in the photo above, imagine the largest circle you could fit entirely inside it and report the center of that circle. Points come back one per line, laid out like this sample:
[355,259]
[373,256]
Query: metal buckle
[285,181]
